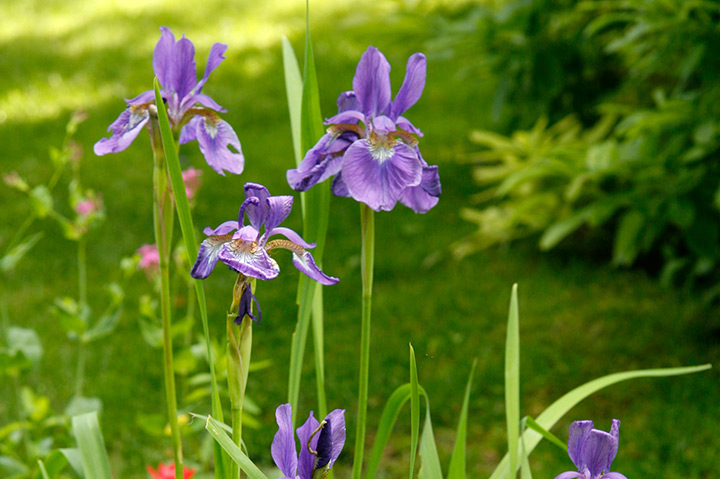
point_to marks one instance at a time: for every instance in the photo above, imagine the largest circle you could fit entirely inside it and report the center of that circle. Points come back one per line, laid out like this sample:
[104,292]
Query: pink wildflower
[149,258]
[167,471]
[191,178]
[86,207]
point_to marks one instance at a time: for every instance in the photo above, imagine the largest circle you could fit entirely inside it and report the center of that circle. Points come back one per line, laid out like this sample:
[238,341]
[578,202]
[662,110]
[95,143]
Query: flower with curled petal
[191,112]
[167,471]
[320,444]
[370,147]
[592,451]
[244,248]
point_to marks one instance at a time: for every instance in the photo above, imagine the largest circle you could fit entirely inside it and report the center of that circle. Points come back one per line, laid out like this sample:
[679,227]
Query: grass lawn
[580,319]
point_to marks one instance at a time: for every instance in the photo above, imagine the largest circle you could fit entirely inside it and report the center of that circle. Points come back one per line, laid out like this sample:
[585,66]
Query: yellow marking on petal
[285,244]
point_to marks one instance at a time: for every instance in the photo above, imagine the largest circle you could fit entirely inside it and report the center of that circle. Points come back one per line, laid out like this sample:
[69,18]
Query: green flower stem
[367,227]
[82,295]
[163,222]
[239,348]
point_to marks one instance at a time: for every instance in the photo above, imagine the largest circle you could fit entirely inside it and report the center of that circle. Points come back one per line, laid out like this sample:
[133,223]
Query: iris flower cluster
[369,147]
[189,110]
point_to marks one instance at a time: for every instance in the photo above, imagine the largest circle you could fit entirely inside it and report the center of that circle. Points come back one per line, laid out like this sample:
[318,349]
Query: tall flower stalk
[372,152]
[163,226]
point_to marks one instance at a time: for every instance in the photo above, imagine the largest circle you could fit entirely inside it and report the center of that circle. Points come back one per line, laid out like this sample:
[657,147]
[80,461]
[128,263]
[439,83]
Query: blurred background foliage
[589,126]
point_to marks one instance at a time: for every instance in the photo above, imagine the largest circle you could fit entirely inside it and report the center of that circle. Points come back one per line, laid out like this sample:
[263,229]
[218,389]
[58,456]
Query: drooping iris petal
[377,175]
[292,236]
[251,261]
[423,197]
[182,76]
[214,137]
[245,307]
[570,475]
[412,86]
[337,418]
[306,460]
[371,83]
[215,58]
[208,255]
[599,446]
[577,437]
[339,188]
[404,124]
[144,97]
[306,264]
[125,129]
[349,116]
[283,445]
[321,162]
[162,57]
[614,432]
[223,229]
[207,102]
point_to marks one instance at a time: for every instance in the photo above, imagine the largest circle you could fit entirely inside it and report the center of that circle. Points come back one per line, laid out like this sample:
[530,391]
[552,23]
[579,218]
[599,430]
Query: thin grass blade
[393,406]
[414,411]
[532,424]
[188,232]
[512,380]
[74,458]
[525,472]
[294,90]
[235,453]
[548,418]
[94,458]
[457,460]
[429,460]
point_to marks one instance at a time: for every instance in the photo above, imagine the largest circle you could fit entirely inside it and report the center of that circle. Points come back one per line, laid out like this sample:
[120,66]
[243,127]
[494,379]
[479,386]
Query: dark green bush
[646,170]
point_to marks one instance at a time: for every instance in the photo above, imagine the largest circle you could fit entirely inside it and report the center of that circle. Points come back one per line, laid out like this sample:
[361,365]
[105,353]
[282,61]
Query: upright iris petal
[592,451]
[191,113]
[369,147]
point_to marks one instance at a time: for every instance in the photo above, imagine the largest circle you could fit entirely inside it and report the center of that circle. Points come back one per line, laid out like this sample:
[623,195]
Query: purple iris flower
[192,112]
[320,444]
[369,146]
[246,250]
[592,451]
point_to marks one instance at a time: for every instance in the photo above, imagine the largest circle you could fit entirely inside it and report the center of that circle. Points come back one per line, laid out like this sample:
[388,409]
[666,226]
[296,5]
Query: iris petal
[283,445]
[577,438]
[423,197]
[125,129]
[379,182]
[371,83]
[306,460]
[208,255]
[306,264]
[162,57]
[215,58]
[337,418]
[238,255]
[412,86]
[214,137]
[182,76]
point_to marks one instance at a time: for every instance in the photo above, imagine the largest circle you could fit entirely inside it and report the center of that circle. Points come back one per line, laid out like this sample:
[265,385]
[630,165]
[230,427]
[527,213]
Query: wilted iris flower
[320,444]
[246,250]
[369,146]
[592,451]
[190,111]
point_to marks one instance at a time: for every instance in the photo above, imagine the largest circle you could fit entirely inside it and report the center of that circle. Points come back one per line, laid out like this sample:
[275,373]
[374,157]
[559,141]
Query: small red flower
[167,471]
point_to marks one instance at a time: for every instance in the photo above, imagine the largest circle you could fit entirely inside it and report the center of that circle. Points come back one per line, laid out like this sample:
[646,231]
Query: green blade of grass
[43,472]
[294,90]
[512,381]
[532,424]
[94,458]
[560,407]
[188,232]
[235,453]
[316,204]
[75,460]
[390,413]
[429,460]
[525,472]
[457,460]
[414,411]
